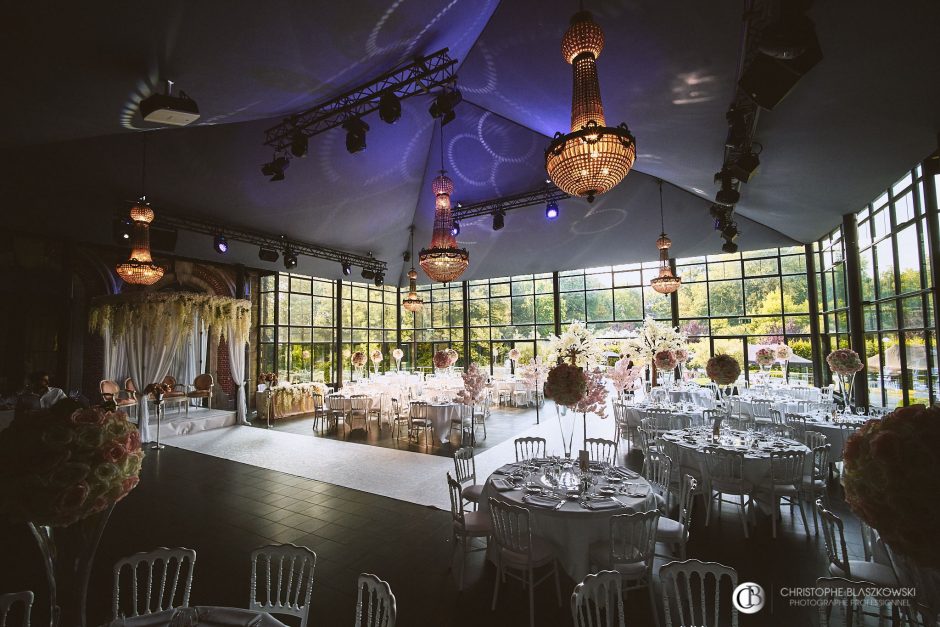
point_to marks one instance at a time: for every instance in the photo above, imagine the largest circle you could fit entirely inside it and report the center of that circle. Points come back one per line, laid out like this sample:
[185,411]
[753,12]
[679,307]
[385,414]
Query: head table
[570,524]
[206,616]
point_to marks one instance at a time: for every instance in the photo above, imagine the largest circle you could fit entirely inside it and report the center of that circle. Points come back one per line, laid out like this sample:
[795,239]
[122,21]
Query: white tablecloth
[633,414]
[782,404]
[701,397]
[209,616]
[836,433]
[571,529]
[440,416]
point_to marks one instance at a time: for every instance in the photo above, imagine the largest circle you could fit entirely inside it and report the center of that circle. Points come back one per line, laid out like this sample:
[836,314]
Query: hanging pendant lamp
[443,261]
[412,301]
[667,282]
[593,158]
[140,269]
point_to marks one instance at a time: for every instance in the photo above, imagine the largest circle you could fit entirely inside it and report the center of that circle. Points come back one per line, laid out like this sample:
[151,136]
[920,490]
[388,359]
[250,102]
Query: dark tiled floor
[225,509]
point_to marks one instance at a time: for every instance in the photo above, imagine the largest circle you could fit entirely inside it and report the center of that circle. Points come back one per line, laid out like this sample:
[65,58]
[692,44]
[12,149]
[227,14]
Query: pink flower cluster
[682,355]
[566,384]
[844,361]
[514,354]
[665,360]
[376,356]
[723,369]
[595,399]
[474,386]
[56,469]
[452,356]
[441,359]
[765,356]
[622,376]
[358,359]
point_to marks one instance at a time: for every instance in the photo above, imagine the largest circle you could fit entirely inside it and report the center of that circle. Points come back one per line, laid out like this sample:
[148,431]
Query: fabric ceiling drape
[149,355]
[236,341]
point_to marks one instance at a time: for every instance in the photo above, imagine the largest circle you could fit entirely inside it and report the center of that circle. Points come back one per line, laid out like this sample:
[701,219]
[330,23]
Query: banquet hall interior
[450,312]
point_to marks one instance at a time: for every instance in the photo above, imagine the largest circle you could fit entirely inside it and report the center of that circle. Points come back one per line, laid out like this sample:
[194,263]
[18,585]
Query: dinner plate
[607,490]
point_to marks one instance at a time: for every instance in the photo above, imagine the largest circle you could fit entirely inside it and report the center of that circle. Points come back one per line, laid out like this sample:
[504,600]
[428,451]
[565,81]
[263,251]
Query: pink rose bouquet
[57,469]
[784,352]
[566,384]
[682,355]
[844,362]
[765,356]
[723,369]
[452,356]
[397,354]
[514,354]
[891,481]
[358,359]
[441,359]
[376,356]
[665,360]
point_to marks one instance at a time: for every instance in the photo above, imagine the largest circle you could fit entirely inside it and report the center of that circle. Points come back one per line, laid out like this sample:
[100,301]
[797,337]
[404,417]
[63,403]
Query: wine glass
[860,410]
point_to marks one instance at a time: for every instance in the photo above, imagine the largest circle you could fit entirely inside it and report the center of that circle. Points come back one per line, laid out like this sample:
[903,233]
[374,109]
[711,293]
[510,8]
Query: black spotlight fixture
[389,107]
[499,220]
[367,274]
[455,228]
[290,259]
[744,167]
[355,135]
[298,144]
[730,231]
[551,210]
[729,247]
[220,244]
[268,254]
[443,105]
[379,279]
[347,268]
[727,195]
[275,168]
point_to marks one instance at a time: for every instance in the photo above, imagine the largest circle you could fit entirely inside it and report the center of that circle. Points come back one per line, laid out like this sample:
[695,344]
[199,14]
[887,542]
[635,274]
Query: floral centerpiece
[514,354]
[623,376]
[765,357]
[474,386]
[358,360]
[724,370]
[452,357]
[61,471]
[157,391]
[652,338]
[891,483]
[397,354]
[299,396]
[784,354]
[441,360]
[682,357]
[566,384]
[844,363]
[576,340]
[376,357]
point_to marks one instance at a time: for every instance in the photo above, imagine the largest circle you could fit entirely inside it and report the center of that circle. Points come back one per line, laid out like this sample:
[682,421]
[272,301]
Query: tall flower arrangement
[844,363]
[723,370]
[452,357]
[474,386]
[577,341]
[376,356]
[441,360]
[397,354]
[652,338]
[765,357]
[623,376]
[784,355]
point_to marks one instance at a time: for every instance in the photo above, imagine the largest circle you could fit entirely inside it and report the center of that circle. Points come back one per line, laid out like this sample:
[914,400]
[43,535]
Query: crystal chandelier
[593,158]
[443,261]
[667,282]
[140,269]
[412,302]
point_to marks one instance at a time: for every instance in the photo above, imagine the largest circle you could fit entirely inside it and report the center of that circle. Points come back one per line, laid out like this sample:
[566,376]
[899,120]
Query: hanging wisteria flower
[57,468]
[452,356]
[844,361]
[723,369]
[784,352]
[765,356]
[441,359]
[358,359]
[682,355]
[397,354]
[595,396]
[514,354]
[376,356]
[665,360]
[474,386]
[566,384]
[578,341]
[623,376]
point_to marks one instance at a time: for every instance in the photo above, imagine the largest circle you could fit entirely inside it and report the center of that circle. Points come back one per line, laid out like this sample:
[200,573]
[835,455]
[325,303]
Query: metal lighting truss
[542,196]
[272,242]
[418,77]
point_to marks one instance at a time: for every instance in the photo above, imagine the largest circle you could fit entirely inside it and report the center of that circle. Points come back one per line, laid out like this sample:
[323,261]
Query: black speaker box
[768,80]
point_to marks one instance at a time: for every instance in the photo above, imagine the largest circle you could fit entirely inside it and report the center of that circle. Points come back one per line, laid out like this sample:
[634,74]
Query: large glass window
[370,322]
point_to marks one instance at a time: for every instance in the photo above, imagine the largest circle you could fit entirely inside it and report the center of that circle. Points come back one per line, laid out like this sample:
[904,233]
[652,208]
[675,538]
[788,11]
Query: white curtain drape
[115,358]
[189,363]
[150,353]
[236,340]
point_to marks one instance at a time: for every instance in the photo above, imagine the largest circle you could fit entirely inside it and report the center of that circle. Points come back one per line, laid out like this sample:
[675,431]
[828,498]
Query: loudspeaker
[768,80]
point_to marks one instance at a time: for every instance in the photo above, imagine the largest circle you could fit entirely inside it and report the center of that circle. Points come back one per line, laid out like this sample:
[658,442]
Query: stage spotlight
[727,196]
[298,144]
[389,107]
[347,268]
[290,259]
[455,228]
[499,220]
[744,167]
[367,274]
[220,244]
[268,254]
[379,279]
[443,105]
[729,247]
[551,210]
[275,169]
[121,230]
[355,135]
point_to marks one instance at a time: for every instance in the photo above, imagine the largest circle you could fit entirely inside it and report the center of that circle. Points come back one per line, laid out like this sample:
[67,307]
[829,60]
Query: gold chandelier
[443,261]
[140,269]
[412,302]
[667,282]
[593,158]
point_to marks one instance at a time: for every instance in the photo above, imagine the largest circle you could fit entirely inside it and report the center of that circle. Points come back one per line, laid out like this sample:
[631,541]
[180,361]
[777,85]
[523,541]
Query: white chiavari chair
[285,572]
[13,604]
[375,603]
[696,589]
[598,601]
[170,569]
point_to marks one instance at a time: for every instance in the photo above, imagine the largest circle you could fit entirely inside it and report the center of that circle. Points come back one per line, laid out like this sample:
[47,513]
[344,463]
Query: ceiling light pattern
[140,269]
[593,158]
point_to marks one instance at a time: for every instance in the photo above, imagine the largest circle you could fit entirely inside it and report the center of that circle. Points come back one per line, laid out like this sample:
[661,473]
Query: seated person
[39,386]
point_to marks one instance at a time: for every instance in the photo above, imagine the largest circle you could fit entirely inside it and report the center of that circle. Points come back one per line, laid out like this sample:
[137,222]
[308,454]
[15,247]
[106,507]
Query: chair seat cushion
[473,492]
[669,530]
[732,487]
[542,552]
[878,574]
[476,523]
[198,393]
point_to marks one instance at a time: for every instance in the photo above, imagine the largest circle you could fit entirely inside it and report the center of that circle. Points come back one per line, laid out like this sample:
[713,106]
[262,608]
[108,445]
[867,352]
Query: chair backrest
[455,491]
[657,469]
[8,603]
[129,386]
[834,534]
[529,448]
[169,380]
[723,464]
[620,417]
[358,403]
[687,500]
[760,409]
[812,439]
[598,601]
[464,465]
[317,401]
[375,604]
[511,527]
[286,580]
[775,416]
[109,387]
[170,569]
[739,423]
[847,601]
[821,462]
[601,450]
[203,381]
[786,468]
[633,537]
[418,410]
[797,426]
[695,590]
[710,415]
[335,402]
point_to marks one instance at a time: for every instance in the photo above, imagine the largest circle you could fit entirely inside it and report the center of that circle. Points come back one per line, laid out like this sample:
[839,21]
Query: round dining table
[634,413]
[570,524]
[441,415]
[837,430]
[205,616]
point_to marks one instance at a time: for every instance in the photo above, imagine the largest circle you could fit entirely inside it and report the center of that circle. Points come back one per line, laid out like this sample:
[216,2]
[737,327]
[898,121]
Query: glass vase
[566,424]
[846,383]
[67,555]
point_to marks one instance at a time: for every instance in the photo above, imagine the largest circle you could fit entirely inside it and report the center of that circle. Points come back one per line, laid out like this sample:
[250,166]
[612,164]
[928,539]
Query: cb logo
[748,598]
